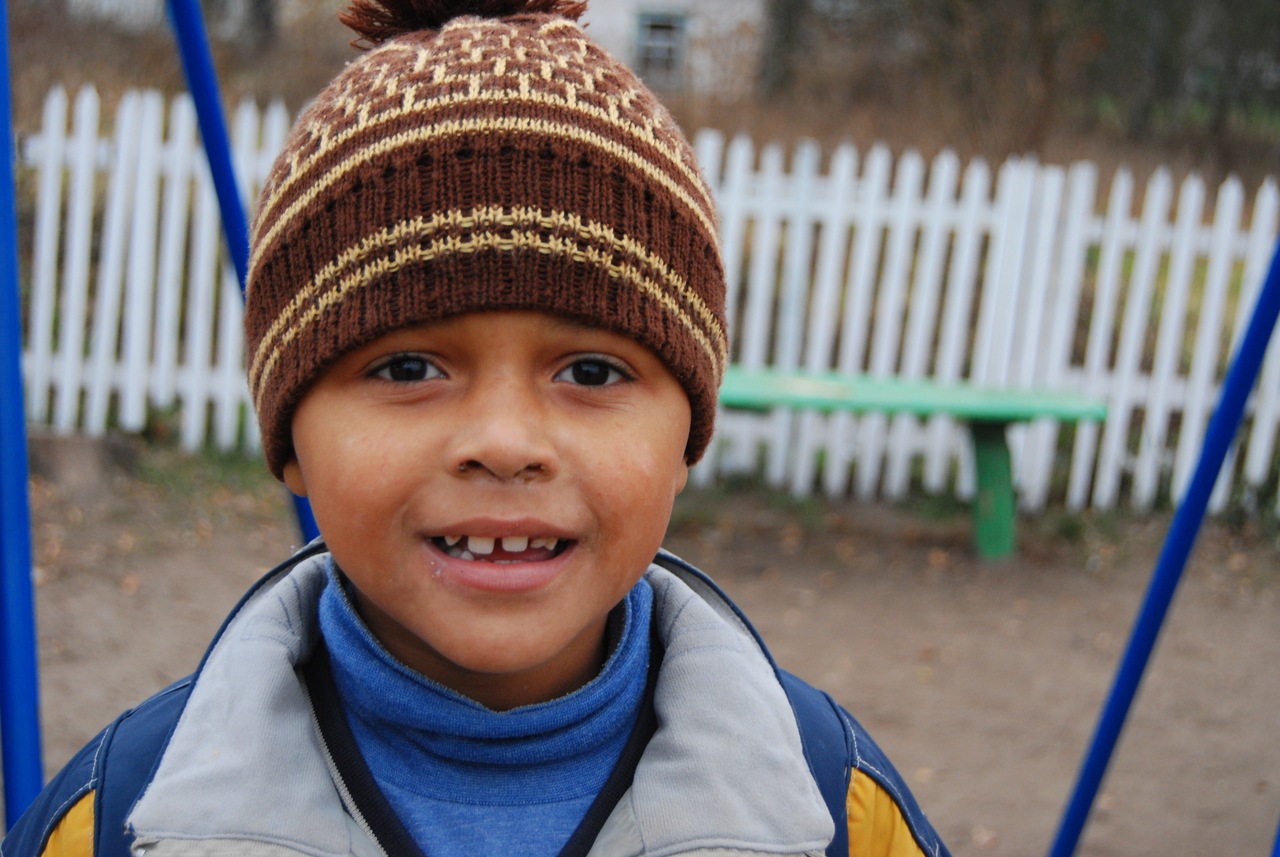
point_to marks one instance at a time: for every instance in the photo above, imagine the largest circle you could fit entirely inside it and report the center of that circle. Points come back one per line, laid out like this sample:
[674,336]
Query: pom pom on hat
[469,163]
[376,21]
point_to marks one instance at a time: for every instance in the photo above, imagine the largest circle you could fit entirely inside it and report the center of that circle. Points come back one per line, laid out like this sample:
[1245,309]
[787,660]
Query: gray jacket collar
[245,772]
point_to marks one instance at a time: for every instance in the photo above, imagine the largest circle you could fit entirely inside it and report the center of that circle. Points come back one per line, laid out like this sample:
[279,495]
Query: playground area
[982,680]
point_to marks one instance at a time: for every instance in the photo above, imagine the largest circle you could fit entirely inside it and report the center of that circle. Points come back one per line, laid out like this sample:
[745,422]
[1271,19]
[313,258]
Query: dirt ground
[982,680]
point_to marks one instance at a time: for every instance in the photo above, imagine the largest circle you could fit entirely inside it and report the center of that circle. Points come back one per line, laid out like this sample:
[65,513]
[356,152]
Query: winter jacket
[229,761]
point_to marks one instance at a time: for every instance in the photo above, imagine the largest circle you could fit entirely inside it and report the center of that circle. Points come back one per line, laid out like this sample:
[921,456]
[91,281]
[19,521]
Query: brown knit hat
[494,160]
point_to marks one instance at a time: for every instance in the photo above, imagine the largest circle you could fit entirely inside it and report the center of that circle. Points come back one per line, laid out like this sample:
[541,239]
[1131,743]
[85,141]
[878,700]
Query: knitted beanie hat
[493,160]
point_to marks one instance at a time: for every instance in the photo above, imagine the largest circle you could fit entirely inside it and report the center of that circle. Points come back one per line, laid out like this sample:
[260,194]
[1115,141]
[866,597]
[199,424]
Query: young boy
[485,320]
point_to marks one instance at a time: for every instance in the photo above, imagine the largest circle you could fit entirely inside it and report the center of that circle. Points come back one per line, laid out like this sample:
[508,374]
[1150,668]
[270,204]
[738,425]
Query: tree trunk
[784,20]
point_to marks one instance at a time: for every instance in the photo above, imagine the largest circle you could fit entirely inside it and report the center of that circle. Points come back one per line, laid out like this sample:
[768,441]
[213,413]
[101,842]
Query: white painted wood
[889,314]
[793,297]
[733,226]
[140,295]
[1151,253]
[824,315]
[75,284]
[1137,313]
[868,224]
[993,348]
[1071,255]
[48,158]
[179,158]
[1098,357]
[1168,351]
[760,307]
[1031,330]
[709,147]
[949,443]
[925,308]
[195,381]
[1262,245]
[104,339]
[961,286]
[1206,373]
[229,384]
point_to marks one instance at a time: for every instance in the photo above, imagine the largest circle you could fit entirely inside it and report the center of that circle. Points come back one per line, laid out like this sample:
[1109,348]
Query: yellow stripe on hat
[495,217]
[701,206]
[490,229]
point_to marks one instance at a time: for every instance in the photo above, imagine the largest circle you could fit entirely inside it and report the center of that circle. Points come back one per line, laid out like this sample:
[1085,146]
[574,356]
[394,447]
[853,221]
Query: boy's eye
[592,372]
[404,368]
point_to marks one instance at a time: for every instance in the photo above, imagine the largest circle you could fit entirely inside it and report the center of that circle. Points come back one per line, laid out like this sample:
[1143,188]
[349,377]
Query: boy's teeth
[470,547]
[480,545]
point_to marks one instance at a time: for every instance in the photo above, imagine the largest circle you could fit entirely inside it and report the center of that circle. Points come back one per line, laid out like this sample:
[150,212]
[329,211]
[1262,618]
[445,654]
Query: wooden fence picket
[1171,330]
[900,225]
[874,264]
[923,313]
[824,310]
[44,274]
[1106,310]
[140,297]
[108,287]
[1206,364]
[1126,375]
[760,298]
[946,443]
[1266,411]
[868,229]
[178,161]
[75,283]
[197,335]
[793,296]
[1034,327]
[1066,281]
[1023,316]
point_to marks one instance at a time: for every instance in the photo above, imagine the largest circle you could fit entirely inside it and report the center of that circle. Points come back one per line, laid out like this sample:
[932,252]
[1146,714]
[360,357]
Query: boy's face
[493,485]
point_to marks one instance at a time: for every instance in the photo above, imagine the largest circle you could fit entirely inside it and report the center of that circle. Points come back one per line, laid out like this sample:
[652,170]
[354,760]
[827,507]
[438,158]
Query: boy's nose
[504,437]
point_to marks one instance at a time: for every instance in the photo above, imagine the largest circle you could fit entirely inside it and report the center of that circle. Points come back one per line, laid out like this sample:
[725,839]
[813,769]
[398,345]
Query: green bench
[988,412]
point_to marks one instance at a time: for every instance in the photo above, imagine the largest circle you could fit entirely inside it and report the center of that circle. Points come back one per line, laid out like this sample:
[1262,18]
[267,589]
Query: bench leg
[993,508]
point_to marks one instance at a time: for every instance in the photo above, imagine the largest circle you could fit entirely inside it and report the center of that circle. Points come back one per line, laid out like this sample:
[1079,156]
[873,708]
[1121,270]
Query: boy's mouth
[505,550]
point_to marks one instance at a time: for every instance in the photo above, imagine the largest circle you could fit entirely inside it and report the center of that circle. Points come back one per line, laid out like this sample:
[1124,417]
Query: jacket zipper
[347,800]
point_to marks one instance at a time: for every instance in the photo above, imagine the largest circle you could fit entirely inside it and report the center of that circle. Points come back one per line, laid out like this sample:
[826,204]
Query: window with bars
[660,50]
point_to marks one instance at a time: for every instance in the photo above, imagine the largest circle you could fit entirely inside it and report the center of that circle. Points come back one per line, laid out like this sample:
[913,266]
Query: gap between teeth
[484,545]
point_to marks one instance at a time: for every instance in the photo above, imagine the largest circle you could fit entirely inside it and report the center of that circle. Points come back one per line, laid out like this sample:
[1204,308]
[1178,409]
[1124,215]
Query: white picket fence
[134,14]
[1025,277]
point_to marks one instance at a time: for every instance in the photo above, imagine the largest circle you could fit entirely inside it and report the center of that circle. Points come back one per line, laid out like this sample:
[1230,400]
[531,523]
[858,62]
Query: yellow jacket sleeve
[73,837]
[876,826]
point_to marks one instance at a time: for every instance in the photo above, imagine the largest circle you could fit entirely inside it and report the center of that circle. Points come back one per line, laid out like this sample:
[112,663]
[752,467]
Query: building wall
[721,40]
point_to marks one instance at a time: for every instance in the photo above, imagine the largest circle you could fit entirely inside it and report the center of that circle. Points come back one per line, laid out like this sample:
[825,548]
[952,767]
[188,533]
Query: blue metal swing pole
[19,685]
[197,63]
[1173,559]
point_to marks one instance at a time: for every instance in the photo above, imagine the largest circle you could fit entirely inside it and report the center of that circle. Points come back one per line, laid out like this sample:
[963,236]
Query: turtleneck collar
[420,736]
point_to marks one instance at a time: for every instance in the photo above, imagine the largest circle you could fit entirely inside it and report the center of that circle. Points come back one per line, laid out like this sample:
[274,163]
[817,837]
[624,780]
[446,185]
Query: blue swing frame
[19,687]
[19,683]
[23,774]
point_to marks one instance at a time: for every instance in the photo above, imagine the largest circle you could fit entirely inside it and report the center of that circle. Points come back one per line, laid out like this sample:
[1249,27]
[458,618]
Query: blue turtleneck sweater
[464,779]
